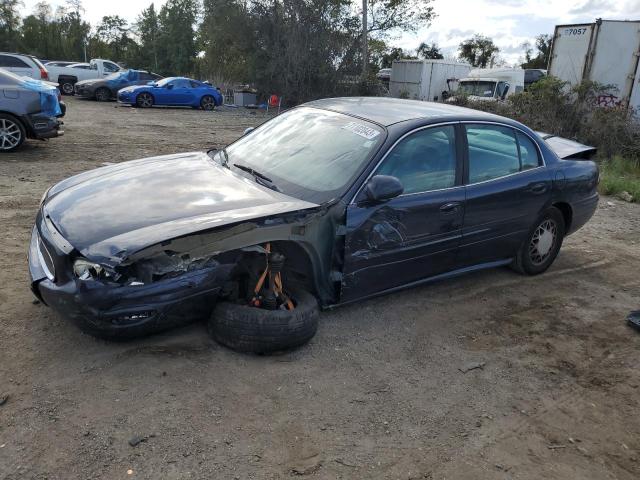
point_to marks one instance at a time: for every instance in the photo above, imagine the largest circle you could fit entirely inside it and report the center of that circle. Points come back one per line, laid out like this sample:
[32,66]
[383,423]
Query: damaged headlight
[86,270]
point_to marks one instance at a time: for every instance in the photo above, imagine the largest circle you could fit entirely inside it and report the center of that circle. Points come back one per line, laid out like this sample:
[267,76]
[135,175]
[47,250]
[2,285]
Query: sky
[509,22]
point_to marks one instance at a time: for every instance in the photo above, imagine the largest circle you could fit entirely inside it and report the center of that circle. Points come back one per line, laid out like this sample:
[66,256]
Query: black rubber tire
[103,94]
[13,121]
[523,262]
[255,330]
[207,103]
[140,100]
[67,86]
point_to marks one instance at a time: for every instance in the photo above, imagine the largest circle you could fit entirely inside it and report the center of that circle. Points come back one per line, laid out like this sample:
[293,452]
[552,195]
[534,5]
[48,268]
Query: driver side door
[415,235]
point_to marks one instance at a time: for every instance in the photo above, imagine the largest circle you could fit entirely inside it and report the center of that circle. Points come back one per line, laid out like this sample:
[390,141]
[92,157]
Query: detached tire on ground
[256,330]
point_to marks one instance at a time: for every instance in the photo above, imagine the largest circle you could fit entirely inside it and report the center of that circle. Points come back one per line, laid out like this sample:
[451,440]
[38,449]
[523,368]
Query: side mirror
[383,187]
[248,130]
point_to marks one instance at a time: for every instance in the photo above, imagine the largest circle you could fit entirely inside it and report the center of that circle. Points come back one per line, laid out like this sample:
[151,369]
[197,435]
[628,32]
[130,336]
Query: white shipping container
[607,52]
[424,79]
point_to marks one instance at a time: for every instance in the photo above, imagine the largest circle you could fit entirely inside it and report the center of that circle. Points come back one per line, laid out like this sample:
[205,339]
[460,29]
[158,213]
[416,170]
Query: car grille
[46,261]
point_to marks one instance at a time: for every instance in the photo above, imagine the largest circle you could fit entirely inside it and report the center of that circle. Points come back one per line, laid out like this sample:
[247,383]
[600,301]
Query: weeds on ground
[618,175]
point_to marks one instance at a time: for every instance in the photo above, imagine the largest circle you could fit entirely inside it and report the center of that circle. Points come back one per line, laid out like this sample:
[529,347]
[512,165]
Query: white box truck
[425,79]
[606,51]
[492,84]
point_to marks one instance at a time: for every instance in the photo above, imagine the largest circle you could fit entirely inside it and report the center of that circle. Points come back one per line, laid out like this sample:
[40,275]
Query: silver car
[28,109]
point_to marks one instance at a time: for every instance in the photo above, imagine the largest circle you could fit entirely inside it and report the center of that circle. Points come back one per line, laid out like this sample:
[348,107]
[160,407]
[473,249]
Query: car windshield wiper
[259,177]
[252,172]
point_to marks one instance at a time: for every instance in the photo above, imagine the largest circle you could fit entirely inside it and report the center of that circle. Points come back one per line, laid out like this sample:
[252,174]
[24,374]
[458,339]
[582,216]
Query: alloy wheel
[10,134]
[543,241]
[207,103]
[145,100]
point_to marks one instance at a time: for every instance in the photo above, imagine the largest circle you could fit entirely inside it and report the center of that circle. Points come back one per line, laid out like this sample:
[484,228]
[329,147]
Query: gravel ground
[378,393]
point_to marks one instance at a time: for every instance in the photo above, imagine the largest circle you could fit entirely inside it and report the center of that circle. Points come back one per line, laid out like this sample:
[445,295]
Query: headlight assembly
[86,270]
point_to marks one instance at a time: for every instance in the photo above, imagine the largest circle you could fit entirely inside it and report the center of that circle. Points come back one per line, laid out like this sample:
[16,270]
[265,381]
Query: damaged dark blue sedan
[328,203]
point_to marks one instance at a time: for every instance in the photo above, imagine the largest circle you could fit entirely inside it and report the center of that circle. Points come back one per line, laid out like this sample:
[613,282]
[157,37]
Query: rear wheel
[66,86]
[103,94]
[12,133]
[543,243]
[144,100]
[207,102]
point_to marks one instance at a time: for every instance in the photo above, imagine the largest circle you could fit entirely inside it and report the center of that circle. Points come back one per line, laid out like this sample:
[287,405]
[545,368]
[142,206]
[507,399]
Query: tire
[67,86]
[533,260]
[145,100]
[255,330]
[207,103]
[103,94]
[12,133]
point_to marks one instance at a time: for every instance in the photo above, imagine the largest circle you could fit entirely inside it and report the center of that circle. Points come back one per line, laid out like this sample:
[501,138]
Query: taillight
[44,75]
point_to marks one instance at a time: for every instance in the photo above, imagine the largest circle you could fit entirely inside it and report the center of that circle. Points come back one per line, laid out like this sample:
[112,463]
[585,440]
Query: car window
[181,83]
[12,62]
[195,84]
[145,76]
[528,152]
[493,152]
[423,161]
[110,67]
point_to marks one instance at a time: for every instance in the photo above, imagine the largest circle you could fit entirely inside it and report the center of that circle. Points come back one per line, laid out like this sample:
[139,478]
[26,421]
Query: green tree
[9,25]
[479,51]
[543,50]
[429,52]
[176,41]
[148,30]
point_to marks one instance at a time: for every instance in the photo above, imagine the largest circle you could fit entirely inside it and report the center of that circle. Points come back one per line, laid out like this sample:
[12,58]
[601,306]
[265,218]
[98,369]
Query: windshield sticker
[362,130]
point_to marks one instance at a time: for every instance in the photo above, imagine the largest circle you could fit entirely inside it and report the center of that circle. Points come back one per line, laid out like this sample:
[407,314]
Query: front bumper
[84,91]
[44,126]
[113,310]
[126,97]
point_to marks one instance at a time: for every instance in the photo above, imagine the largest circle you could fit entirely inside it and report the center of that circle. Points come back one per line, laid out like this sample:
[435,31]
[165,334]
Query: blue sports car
[172,91]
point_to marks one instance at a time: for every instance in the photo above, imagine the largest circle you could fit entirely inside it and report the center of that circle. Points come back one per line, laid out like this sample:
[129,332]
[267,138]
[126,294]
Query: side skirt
[436,278]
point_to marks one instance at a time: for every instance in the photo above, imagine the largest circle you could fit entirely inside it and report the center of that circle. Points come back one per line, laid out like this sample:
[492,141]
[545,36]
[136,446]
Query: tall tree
[543,50]
[148,30]
[177,45]
[479,51]
[9,24]
[427,51]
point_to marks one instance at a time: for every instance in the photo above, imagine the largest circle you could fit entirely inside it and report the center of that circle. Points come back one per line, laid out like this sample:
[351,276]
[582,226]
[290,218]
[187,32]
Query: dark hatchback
[362,195]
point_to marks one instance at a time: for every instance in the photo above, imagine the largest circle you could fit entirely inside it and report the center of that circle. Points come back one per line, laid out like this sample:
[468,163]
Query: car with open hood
[332,202]
[105,89]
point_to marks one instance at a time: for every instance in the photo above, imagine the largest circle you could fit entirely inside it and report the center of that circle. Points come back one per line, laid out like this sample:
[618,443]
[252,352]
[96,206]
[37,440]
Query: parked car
[24,65]
[28,109]
[333,202]
[174,91]
[105,89]
[68,76]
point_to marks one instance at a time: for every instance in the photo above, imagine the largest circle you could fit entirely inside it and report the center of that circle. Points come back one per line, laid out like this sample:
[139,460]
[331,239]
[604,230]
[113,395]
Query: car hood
[90,82]
[111,212]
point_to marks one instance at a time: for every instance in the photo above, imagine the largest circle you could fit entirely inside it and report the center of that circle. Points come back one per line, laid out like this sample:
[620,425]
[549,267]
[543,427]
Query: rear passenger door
[415,235]
[507,187]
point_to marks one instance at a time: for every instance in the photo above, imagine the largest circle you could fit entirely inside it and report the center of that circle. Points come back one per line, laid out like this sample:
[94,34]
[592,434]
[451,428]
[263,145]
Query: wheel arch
[25,125]
[567,213]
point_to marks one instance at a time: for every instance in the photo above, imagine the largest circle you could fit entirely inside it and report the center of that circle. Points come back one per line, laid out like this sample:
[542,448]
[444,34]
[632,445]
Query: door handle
[449,208]
[538,188]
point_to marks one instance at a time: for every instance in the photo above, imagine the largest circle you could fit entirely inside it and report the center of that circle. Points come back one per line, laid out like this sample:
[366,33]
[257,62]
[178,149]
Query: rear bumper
[43,126]
[583,210]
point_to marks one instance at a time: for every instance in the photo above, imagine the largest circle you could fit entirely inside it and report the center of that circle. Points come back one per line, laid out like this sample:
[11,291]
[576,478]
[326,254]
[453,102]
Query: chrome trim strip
[43,264]
[463,122]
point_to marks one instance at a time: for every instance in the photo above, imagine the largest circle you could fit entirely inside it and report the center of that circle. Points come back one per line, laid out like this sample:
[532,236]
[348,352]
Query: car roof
[387,111]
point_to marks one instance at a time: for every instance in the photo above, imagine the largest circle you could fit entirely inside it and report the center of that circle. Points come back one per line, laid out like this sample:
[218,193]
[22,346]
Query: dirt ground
[378,393]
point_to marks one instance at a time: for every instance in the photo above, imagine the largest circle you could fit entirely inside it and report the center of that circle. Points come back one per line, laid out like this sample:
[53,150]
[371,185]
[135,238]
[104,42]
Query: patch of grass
[619,175]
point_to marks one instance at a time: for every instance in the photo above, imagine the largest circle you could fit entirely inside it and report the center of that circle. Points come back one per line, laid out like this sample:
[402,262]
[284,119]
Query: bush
[617,176]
